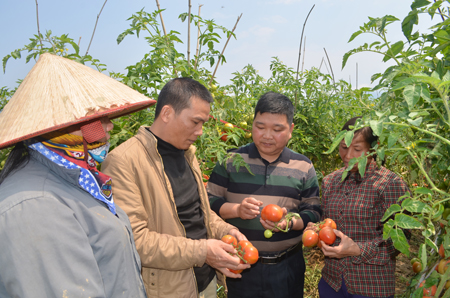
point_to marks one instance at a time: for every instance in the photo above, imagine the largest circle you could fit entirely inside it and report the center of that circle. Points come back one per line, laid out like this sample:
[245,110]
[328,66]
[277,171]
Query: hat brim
[110,113]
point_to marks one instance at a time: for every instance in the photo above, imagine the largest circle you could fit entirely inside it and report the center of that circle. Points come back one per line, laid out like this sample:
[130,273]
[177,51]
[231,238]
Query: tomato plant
[327,235]
[310,238]
[272,213]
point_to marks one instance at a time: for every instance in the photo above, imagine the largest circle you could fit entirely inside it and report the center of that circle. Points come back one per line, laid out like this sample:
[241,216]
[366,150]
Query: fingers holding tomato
[249,208]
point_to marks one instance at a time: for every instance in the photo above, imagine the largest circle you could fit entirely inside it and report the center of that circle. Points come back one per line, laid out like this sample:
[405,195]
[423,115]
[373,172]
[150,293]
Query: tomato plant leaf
[362,163]
[412,95]
[416,122]
[336,141]
[399,240]
[422,190]
[419,3]
[408,22]
[407,222]
[394,208]
[349,137]
[392,139]
[387,227]
[431,244]
[415,206]
[377,127]
[380,154]
[423,253]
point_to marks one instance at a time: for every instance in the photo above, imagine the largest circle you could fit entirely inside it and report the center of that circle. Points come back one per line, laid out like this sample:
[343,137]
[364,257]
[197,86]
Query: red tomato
[229,240]
[328,222]
[441,251]
[251,254]
[224,137]
[327,235]
[310,238]
[272,212]
[237,271]
[243,244]
[428,291]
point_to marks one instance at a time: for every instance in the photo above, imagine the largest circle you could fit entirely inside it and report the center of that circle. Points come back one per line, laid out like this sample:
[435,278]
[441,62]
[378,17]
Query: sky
[268,28]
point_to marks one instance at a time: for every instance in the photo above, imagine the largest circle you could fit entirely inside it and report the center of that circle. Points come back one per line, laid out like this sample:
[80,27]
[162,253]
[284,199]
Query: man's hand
[270,225]
[238,235]
[312,226]
[249,208]
[346,248]
[217,256]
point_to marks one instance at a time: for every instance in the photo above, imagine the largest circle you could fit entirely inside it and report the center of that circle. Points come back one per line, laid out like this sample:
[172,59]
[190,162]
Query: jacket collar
[285,155]
[150,142]
[70,175]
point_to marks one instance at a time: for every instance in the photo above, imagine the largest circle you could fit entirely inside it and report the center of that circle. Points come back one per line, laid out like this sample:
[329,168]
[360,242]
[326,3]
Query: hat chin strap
[92,132]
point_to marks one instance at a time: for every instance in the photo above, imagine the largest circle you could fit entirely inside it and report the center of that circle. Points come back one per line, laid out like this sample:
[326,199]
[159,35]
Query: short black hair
[366,132]
[275,103]
[178,92]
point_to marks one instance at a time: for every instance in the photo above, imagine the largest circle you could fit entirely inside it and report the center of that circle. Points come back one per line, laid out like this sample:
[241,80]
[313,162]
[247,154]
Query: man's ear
[166,113]
[291,130]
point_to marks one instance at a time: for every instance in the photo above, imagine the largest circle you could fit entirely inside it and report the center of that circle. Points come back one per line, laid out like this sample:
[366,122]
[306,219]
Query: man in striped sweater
[278,176]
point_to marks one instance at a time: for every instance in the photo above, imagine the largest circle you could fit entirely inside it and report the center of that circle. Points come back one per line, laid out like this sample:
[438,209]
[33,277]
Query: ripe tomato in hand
[327,235]
[272,212]
[237,271]
[243,244]
[230,240]
[251,254]
[328,222]
[310,238]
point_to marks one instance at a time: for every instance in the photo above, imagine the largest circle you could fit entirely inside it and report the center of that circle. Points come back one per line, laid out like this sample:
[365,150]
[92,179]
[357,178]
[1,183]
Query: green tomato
[446,213]
[243,124]
[414,260]
[268,233]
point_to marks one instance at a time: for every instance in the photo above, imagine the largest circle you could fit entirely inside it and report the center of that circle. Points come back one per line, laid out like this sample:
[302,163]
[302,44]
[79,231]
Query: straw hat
[58,93]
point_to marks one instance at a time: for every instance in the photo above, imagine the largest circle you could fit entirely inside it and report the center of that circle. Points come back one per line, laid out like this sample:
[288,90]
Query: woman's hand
[346,248]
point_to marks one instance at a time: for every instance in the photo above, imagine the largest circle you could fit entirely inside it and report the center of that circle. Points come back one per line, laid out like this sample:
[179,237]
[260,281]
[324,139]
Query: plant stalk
[198,37]
[224,47]
[95,27]
[37,20]
[189,35]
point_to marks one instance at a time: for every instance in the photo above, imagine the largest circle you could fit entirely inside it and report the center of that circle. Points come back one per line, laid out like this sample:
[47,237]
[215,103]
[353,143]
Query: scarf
[68,151]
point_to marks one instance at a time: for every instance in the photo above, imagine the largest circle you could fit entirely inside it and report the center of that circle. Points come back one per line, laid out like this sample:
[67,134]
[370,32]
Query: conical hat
[58,93]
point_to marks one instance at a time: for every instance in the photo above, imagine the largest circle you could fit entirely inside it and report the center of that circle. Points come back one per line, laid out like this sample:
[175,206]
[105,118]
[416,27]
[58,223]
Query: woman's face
[358,147]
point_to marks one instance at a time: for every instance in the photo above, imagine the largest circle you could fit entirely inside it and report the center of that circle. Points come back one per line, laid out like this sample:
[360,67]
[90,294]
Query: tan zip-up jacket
[142,189]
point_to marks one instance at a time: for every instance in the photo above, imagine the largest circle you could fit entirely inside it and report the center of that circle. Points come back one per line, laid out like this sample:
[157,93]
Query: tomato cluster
[326,234]
[246,251]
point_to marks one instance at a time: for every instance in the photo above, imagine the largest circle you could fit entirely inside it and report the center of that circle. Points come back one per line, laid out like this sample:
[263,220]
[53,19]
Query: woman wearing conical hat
[61,235]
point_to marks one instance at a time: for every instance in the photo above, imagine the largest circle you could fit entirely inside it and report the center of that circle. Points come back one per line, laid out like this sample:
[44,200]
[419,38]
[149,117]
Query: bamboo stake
[189,35]
[79,40]
[330,66]
[165,33]
[221,54]
[304,49]
[321,63]
[198,37]
[357,75]
[37,20]
[301,40]
[95,27]
[162,21]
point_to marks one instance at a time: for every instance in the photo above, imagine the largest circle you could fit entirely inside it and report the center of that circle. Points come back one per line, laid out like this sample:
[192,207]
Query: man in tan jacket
[158,183]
